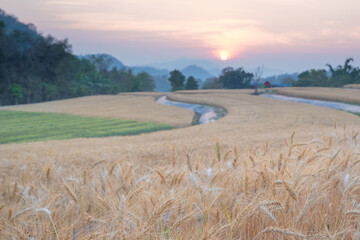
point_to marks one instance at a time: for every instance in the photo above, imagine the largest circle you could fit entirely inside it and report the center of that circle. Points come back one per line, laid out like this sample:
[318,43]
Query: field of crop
[320,93]
[17,126]
[268,170]
[355,86]
[130,106]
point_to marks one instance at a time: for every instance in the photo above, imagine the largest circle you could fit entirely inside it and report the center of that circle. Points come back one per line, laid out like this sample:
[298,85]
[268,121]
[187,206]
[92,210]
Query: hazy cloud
[210,26]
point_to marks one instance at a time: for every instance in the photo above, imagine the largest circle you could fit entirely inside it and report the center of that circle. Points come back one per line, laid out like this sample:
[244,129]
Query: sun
[224,56]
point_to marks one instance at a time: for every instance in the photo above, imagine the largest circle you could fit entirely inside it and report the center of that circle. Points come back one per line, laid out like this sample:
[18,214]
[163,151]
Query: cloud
[65,3]
[216,26]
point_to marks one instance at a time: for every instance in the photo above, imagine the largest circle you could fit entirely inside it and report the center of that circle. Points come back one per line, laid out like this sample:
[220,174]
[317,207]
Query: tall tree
[257,76]
[143,82]
[235,79]
[191,84]
[213,83]
[313,78]
[177,80]
[2,60]
[342,75]
[34,68]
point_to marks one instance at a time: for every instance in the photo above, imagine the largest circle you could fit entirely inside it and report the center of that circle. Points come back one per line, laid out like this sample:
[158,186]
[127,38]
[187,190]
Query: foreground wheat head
[305,191]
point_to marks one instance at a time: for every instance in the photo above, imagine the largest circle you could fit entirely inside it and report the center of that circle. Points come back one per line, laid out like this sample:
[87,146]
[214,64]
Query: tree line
[34,68]
[230,78]
[333,77]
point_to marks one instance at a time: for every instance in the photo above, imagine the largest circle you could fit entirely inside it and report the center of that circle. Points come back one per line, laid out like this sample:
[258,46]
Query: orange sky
[276,33]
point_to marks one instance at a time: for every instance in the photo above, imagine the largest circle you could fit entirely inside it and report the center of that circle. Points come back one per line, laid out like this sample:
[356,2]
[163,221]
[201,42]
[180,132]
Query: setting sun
[224,56]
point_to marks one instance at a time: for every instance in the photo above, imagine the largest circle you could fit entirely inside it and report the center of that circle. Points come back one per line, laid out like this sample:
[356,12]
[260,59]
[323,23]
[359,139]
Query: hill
[197,72]
[110,61]
[12,24]
[150,70]
[184,62]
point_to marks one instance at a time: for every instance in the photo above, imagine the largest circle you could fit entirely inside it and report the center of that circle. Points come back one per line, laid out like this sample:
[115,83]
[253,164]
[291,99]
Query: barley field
[346,95]
[268,170]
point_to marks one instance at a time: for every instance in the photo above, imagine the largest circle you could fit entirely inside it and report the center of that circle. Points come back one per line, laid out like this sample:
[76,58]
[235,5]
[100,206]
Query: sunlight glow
[224,56]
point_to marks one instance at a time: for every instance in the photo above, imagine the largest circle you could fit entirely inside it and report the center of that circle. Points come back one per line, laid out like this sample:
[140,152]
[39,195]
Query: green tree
[177,80]
[145,82]
[34,68]
[101,63]
[213,83]
[3,69]
[313,78]
[15,92]
[235,79]
[191,84]
[288,81]
[342,75]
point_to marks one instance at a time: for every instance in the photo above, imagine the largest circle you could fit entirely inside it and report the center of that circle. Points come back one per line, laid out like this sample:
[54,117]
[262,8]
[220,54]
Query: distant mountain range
[184,62]
[160,75]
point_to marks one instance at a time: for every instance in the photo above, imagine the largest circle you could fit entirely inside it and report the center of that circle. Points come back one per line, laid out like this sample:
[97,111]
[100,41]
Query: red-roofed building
[267,84]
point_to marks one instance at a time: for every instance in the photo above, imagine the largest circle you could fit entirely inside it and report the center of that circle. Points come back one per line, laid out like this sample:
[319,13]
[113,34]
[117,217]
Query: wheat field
[130,106]
[347,95]
[355,86]
[268,170]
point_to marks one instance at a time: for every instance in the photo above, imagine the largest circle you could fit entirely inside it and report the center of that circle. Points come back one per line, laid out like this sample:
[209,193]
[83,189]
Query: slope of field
[17,126]
[134,106]
[320,93]
[354,86]
[268,170]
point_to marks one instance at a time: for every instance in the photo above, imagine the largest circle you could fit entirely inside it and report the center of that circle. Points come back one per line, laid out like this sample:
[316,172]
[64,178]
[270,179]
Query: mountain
[150,70]
[215,72]
[184,62]
[197,72]
[107,59]
[12,24]
[160,77]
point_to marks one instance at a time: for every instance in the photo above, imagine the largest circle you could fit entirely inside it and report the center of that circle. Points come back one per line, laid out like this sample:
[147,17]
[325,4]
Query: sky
[291,35]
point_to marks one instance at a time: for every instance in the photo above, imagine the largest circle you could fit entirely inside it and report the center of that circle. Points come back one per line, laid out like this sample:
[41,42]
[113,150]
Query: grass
[17,126]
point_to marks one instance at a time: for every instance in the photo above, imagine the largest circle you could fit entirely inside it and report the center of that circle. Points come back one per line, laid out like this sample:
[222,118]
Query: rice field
[17,126]
[268,170]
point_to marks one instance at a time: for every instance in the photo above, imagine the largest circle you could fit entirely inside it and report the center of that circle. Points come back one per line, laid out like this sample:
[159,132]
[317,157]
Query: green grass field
[16,126]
